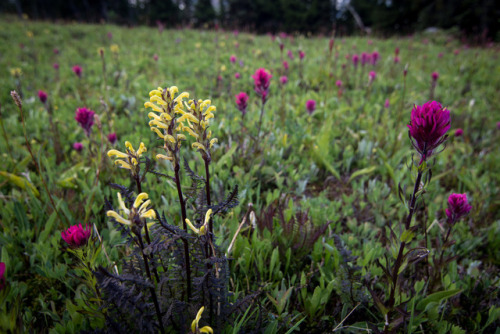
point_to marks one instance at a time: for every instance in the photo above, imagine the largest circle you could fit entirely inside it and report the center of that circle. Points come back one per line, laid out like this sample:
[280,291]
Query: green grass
[342,165]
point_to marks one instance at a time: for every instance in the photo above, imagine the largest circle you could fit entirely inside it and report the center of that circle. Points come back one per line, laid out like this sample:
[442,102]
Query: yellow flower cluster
[114,48]
[197,119]
[165,124]
[131,157]
[138,211]
[16,72]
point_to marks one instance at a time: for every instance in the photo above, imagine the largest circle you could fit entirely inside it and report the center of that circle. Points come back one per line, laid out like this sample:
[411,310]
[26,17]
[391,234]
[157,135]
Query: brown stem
[260,117]
[399,259]
[184,225]
[207,187]
[148,240]
[152,290]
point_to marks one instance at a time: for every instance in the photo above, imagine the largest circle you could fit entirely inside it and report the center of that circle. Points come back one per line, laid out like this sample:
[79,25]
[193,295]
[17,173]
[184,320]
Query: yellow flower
[16,72]
[204,228]
[223,68]
[195,327]
[197,116]
[198,45]
[167,102]
[138,211]
[114,48]
[131,157]
[29,34]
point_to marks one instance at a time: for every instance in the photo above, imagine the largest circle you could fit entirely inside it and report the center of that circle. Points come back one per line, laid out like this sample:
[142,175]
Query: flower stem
[146,229]
[184,225]
[152,289]
[260,118]
[399,259]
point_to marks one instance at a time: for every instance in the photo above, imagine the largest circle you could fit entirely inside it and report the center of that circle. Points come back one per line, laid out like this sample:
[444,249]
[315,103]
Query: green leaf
[225,159]
[437,297]
[363,171]
[407,236]
[48,227]
[20,182]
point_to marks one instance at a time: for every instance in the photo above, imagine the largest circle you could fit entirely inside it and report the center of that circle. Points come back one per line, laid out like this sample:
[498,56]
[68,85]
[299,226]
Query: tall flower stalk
[168,128]
[427,131]
[262,80]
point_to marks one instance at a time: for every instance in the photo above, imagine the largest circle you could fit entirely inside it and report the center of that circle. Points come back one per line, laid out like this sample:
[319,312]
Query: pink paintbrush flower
[77,70]
[458,207]
[428,126]
[76,236]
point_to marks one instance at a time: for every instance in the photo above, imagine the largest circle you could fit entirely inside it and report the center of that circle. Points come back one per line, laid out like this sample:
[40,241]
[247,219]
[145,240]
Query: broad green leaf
[20,182]
[363,171]
[437,297]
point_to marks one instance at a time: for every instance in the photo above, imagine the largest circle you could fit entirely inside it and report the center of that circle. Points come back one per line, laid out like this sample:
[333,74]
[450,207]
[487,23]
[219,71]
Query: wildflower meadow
[216,181]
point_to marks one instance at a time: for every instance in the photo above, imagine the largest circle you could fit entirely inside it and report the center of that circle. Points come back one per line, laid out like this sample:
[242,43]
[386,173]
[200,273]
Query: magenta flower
[242,102]
[330,44]
[387,103]
[285,65]
[498,125]
[458,206]
[365,58]
[440,55]
[56,51]
[284,80]
[110,35]
[338,83]
[155,57]
[435,76]
[459,132]
[396,51]
[301,54]
[375,57]
[237,75]
[282,46]
[76,236]
[2,277]
[232,59]
[310,106]
[77,70]
[42,96]
[290,54]
[78,146]
[55,66]
[396,60]
[372,75]
[262,79]
[355,60]
[428,126]
[112,138]
[85,117]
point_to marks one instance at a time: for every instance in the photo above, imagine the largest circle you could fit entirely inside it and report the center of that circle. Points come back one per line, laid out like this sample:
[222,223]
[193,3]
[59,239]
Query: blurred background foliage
[478,19]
